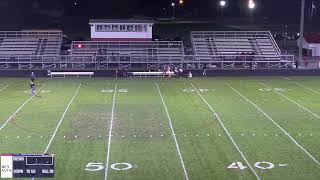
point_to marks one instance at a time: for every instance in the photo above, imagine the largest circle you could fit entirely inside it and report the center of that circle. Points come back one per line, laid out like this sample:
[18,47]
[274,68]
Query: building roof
[121,21]
[312,38]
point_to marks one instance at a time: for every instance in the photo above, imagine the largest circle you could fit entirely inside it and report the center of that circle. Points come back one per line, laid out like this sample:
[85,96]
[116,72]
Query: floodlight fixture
[223,3]
[251,4]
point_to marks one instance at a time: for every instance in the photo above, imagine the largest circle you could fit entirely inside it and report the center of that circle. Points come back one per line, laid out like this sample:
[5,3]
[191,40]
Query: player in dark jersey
[32,84]
[204,71]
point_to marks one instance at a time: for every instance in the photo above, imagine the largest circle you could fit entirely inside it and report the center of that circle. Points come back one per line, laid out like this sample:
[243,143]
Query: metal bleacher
[22,49]
[30,42]
[18,46]
[126,52]
[232,47]
[213,49]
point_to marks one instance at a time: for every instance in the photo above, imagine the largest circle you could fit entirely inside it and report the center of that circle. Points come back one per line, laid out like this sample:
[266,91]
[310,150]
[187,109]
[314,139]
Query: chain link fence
[310,63]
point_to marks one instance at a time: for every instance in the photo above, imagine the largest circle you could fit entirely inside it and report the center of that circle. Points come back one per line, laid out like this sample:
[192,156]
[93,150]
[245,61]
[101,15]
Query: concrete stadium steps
[50,46]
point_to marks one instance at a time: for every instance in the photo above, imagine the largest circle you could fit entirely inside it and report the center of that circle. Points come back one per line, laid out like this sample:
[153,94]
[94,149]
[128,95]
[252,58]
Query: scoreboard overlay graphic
[27,165]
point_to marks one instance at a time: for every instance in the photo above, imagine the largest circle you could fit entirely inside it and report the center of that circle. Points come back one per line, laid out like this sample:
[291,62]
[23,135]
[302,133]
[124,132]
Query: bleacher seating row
[216,43]
[131,49]
[210,48]
[30,42]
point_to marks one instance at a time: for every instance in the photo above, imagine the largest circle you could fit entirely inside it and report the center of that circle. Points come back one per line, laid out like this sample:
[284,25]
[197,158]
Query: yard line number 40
[264,165]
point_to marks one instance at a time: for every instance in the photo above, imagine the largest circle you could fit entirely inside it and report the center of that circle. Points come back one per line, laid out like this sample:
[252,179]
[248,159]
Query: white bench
[64,74]
[159,73]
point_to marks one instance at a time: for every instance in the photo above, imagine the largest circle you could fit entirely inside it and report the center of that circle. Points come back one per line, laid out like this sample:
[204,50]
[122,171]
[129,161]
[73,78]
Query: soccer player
[32,77]
[32,85]
[33,88]
[176,72]
[204,72]
[180,72]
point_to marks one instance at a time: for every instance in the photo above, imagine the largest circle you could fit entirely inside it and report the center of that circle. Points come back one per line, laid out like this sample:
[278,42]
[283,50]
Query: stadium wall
[121,39]
[196,73]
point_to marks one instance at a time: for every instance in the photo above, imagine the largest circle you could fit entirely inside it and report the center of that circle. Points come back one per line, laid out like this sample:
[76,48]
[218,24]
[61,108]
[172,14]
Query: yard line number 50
[93,167]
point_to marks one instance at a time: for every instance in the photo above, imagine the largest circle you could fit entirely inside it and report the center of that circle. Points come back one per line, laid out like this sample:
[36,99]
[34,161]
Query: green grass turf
[141,133]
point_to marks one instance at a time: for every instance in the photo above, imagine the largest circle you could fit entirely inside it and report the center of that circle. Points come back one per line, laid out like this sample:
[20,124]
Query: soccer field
[162,128]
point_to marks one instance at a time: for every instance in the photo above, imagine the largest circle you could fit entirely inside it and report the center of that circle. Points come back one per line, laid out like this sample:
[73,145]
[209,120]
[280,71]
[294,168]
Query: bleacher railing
[31,34]
[230,34]
[163,59]
[126,47]
[276,46]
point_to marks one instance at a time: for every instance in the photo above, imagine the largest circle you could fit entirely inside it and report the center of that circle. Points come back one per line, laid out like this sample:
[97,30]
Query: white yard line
[285,78]
[110,132]
[306,109]
[124,83]
[29,99]
[61,119]
[227,132]
[304,86]
[174,134]
[284,131]
[5,87]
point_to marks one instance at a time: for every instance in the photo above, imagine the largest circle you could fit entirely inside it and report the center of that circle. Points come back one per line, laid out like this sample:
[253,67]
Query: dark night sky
[155,7]
[205,8]
[30,11]
[202,8]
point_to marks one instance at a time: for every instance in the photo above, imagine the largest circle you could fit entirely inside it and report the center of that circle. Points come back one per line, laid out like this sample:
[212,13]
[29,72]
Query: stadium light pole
[173,5]
[251,6]
[222,4]
[303,2]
